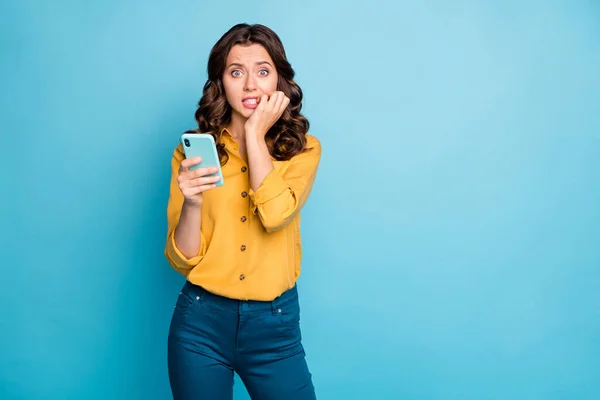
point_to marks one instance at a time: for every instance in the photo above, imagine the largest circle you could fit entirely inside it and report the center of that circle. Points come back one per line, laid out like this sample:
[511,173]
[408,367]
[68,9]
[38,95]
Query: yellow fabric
[265,221]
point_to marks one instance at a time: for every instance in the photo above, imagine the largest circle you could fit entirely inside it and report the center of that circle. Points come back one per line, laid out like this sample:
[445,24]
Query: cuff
[179,259]
[271,187]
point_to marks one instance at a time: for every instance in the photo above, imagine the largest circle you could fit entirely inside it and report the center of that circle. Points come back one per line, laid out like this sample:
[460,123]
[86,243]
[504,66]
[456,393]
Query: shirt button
[242,277]
[243,219]
[244,194]
[244,169]
[243,248]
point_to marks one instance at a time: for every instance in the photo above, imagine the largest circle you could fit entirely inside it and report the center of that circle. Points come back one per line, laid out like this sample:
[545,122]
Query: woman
[239,244]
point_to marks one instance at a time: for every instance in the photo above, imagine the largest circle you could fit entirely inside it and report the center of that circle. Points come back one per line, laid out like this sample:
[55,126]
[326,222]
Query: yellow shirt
[250,245]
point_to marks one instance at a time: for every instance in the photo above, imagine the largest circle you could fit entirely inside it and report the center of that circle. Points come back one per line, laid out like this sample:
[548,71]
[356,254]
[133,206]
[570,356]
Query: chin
[244,112]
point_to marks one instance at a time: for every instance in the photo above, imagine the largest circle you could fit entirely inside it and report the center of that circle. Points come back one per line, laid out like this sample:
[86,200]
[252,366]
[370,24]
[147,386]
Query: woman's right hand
[193,183]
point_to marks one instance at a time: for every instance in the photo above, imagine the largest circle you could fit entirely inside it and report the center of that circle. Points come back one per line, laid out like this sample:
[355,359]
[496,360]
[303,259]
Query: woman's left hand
[268,111]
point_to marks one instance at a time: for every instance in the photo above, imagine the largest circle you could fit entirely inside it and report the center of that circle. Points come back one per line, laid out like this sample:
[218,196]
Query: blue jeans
[211,336]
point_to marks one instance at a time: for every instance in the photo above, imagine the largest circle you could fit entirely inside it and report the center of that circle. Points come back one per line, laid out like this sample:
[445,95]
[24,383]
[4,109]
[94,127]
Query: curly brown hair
[287,137]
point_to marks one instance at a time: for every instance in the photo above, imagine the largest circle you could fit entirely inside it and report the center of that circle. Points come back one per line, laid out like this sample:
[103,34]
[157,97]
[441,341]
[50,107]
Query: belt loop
[274,306]
[203,292]
[197,290]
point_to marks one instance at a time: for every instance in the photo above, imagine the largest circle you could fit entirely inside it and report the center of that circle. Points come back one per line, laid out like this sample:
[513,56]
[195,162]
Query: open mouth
[250,102]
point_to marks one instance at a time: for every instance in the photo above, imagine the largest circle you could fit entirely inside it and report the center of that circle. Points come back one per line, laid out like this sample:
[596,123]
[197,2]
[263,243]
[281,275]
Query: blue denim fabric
[211,336]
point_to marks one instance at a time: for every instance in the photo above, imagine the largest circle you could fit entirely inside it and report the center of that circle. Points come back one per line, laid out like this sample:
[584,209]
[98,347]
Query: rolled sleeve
[271,187]
[176,258]
[282,194]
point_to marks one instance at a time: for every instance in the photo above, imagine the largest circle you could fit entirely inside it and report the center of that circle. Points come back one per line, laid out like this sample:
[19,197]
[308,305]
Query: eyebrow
[257,63]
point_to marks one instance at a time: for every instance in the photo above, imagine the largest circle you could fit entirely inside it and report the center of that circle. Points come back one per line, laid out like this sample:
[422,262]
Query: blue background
[452,241]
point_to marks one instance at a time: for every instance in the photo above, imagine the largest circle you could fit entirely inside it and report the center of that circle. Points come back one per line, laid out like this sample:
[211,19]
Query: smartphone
[202,145]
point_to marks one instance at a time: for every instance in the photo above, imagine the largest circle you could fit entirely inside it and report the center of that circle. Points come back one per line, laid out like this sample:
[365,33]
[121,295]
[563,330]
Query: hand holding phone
[200,170]
[193,183]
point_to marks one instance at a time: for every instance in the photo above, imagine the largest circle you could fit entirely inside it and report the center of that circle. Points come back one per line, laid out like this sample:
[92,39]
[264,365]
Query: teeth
[250,101]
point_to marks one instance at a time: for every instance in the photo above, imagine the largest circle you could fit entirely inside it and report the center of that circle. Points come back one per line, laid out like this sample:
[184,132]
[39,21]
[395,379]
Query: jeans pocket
[289,313]
[184,300]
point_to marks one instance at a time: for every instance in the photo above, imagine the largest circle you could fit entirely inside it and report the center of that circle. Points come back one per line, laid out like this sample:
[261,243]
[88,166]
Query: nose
[250,83]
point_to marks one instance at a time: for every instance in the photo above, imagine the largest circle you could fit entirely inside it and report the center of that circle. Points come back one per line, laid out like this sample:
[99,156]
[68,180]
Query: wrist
[255,140]
[192,205]
[254,133]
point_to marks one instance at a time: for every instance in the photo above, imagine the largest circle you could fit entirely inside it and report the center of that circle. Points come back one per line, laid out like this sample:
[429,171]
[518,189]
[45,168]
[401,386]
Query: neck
[236,126]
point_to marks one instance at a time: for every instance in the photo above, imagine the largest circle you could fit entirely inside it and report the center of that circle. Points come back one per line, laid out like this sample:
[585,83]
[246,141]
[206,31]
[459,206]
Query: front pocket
[184,300]
[289,314]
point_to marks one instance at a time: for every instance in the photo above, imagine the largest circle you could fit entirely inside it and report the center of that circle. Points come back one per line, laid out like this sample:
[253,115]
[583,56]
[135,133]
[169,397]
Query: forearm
[259,160]
[187,232]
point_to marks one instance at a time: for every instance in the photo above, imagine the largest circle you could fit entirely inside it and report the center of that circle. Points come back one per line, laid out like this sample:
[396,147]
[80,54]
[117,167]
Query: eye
[263,72]
[236,73]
